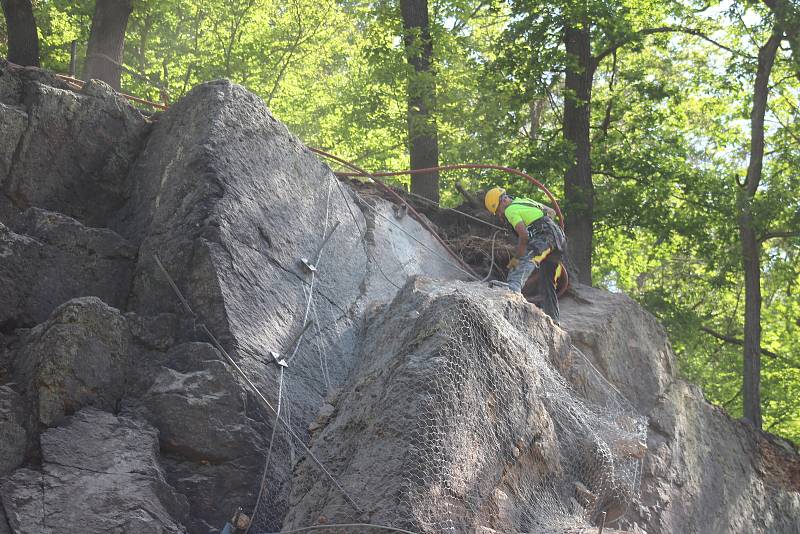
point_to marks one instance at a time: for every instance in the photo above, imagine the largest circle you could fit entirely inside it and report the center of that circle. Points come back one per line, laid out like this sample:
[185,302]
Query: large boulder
[622,340]
[703,472]
[100,473]
[51,258]
[231,202]
[63,150]
[457,419]
[707,473]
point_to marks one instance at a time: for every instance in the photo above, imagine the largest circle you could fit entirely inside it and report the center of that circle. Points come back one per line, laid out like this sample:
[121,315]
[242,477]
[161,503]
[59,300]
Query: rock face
[601,326]
[740,480]
[12,431]
[469,421]
[71,151]
[411,398]
[211,445]
[51,258]
[100,474]
[79,357]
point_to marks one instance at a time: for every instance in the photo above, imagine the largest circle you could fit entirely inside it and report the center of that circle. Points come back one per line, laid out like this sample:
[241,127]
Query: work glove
[513,264]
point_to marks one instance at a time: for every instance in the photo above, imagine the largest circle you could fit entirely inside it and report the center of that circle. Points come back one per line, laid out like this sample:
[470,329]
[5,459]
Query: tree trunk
[106,41]
[23,41]
[751,247]
[423,142]
[578,188]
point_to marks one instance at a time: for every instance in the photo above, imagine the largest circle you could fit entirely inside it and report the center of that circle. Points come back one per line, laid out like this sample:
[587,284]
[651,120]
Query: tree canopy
[669,126]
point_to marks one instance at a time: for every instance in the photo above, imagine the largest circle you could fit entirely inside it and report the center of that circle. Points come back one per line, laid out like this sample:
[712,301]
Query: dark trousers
[546,245]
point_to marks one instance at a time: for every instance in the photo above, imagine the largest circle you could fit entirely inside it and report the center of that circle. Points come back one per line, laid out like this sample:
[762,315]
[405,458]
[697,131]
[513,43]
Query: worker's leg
[547,290]
[519,275]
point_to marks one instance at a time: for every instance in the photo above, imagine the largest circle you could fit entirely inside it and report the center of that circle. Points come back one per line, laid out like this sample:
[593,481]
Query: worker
[238,524]
[540,244]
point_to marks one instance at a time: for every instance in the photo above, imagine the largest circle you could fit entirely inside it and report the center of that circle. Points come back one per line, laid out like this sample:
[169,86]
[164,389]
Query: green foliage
[670,132]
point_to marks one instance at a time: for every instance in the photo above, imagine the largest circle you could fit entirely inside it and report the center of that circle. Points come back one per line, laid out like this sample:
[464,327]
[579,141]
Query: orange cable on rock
[76,84]
[509,170]
[531,179]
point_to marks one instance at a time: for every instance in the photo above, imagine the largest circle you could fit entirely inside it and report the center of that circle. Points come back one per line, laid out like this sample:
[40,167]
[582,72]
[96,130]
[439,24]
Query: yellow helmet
[492,199]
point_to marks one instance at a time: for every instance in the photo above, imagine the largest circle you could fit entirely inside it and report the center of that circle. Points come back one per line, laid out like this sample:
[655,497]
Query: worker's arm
[522,241]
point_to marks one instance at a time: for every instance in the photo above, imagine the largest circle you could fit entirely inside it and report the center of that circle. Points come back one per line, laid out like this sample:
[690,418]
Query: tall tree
[578,186]
[23,41]
[423,141]
[785,26]
[751,246]
[107,41]
[574,38]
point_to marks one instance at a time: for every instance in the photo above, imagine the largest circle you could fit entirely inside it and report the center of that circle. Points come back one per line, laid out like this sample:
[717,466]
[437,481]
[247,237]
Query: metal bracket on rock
[312,267]
[279,358]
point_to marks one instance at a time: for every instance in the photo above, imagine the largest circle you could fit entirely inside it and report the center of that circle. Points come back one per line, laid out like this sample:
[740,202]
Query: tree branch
[735,341]
[607,118]
[782,233]
[666,29]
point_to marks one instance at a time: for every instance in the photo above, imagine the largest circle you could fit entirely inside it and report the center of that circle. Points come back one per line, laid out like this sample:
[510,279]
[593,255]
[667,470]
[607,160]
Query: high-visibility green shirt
[523,210]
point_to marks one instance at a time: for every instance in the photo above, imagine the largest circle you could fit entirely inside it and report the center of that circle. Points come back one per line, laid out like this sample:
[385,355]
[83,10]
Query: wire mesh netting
[502,442]
[501,450]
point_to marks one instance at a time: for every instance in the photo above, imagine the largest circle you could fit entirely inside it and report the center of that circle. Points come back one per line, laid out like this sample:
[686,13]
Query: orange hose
[81,83]
[509,170]
[564,273]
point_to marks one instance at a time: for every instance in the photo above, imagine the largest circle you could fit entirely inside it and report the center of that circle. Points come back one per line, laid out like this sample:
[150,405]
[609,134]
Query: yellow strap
[540,258]
[558,274]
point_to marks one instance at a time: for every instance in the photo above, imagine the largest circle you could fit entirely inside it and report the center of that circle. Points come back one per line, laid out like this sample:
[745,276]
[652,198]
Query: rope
[294,347]
[361,232]
[491,264]
[254,388]
[269,455]
[604,379]
[80,84]
[531,179]
[420,243]
[463,213]
[313,273]
[345,525]
[155,83]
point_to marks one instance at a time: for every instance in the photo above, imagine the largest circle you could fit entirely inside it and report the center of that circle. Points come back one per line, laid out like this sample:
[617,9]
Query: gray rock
[624,342]
[707,473]
[10,85]
[13,121]
[473,438]
[231,216]
[52,258]
[20,256]
[4,527]
[231,201]
[13,438]
[74,149]
[215,452]
[100,475]
[452,407]
[79,357]
[452,420]
[200,413]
